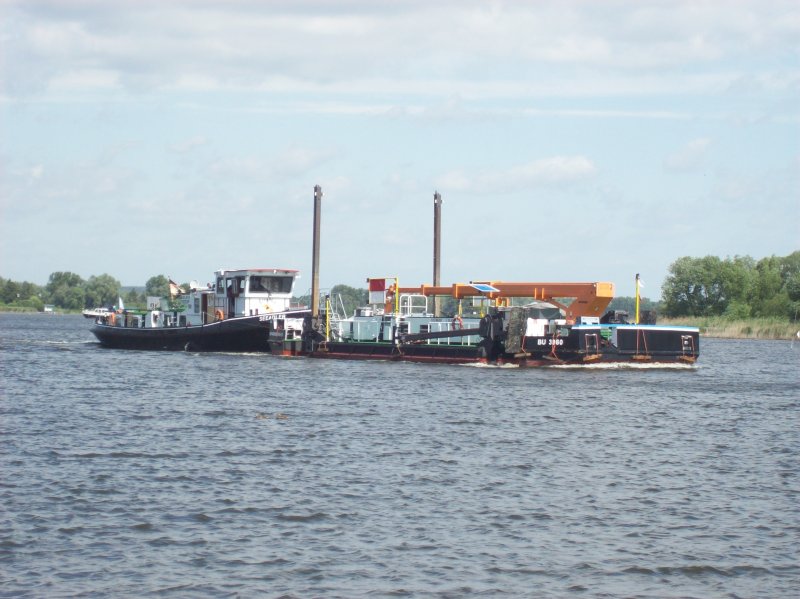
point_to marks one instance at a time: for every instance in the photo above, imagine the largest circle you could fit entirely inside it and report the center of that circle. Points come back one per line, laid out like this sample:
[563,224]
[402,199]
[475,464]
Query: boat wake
[625,366]
[483,365]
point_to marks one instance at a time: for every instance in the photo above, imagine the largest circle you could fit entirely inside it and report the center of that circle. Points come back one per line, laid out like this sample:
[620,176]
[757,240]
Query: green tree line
[735,288]
[69,291]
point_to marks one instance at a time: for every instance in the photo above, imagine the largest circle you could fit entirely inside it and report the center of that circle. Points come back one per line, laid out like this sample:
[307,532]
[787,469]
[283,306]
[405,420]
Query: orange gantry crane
[576,299]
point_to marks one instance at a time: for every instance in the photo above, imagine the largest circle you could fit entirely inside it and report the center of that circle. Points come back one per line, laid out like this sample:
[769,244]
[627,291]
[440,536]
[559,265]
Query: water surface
[129,474]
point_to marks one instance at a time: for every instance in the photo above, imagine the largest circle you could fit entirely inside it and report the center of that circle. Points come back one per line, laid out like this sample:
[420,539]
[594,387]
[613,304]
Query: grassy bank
[752,328]
[7,308]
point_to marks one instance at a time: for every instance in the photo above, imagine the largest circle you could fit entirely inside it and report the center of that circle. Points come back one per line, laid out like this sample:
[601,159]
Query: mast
[437,248]
[315,257]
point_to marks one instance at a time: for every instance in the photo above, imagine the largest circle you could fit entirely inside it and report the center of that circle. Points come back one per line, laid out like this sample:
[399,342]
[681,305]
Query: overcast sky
[571,141]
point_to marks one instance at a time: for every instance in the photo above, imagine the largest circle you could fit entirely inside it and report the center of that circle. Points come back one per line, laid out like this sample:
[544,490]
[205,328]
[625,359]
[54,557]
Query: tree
[689,289]
[66,290]
[790,273]
[29,290]
[768,299]
[770,288]
[737,277]
[448,306]
[72,298]
[102,290]
[708,286]
[63,279]
[793,287]
[132,299]
[20,294]
[790,266]
[736,287]
[352,298]
[33,302]
[628,304]
[157,286]
[10,291]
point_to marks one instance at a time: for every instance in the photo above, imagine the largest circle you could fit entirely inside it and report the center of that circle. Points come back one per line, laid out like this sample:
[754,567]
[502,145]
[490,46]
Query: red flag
[377,291]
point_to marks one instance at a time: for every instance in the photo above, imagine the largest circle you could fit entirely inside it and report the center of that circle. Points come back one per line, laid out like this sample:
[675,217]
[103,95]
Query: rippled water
[143,473]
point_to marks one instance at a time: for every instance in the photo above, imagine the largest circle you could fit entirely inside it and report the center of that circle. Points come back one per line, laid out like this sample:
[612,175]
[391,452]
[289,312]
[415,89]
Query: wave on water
[594,366]
[483,365]
[54,344]
[696,570]
[625,366]
[121,455]
[252,354]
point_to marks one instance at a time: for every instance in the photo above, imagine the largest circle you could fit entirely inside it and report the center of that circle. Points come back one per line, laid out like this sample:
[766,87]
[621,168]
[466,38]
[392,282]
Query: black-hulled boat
[247,310]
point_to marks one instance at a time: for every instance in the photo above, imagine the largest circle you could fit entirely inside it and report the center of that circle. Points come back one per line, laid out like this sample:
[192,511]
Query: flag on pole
[639,285]
[377,291]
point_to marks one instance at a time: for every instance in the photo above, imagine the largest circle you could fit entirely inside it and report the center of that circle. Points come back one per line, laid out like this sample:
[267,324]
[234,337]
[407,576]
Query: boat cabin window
[270,284]
[220,285]
[235,286]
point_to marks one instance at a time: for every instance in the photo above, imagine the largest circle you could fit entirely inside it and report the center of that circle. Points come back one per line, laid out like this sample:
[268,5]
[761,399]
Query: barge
[556,324]
[521,324]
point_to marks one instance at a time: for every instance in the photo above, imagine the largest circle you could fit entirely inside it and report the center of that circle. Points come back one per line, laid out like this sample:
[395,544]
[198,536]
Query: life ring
[458,323]
[219,315]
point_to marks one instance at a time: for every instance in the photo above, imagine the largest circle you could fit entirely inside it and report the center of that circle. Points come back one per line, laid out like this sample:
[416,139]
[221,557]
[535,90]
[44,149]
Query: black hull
[632,344]
[581,347]
[473,355]
[243,334]
[438,354]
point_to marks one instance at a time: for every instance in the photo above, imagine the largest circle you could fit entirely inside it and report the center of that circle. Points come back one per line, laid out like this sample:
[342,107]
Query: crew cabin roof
[260,271]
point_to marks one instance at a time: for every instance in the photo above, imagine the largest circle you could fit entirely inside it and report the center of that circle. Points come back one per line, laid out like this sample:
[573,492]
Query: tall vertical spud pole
[315,257]
[437,247]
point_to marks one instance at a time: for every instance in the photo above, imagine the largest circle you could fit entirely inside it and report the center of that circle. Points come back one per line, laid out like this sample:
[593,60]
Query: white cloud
[557,170]
[297,160]
[470,49]
[187,145]
[290,162]
[239,167]
[690,157]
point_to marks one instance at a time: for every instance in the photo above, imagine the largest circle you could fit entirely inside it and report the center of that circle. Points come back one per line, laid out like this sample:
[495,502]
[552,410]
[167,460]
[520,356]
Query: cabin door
[231,297]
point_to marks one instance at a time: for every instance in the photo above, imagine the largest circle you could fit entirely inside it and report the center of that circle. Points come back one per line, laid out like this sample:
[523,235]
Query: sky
[570,141]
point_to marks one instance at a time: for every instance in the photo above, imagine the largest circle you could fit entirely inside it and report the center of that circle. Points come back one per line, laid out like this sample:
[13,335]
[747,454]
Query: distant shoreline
[751,328]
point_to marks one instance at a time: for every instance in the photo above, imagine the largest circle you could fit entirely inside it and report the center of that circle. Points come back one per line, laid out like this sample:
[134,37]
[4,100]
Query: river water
[132,474]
